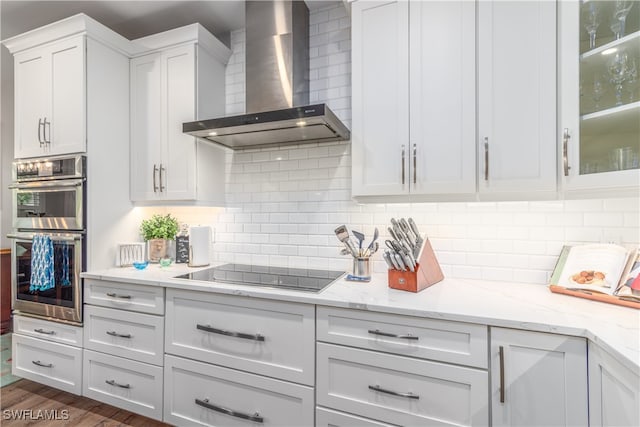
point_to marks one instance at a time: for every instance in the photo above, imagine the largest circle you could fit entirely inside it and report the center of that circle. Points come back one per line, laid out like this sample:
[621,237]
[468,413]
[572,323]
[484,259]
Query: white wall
[285,203]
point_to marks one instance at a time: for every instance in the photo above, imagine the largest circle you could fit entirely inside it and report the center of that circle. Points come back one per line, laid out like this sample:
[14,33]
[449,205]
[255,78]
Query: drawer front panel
[451,342]
[201,394]
[126,334]
[400,390]
[52,331]
[330,418]
[265,337]
[134,386]
[52,364]
[141,298]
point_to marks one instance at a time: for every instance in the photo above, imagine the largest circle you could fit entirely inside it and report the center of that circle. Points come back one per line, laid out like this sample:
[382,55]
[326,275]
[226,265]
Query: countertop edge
[629,357]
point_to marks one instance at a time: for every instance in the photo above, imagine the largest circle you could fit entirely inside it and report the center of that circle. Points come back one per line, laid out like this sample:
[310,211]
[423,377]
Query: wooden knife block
[428,272]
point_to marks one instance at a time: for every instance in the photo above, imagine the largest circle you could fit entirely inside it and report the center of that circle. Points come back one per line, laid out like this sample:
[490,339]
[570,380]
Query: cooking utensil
[375,248]
[375,237]
[393,234]
[387,259]
[399,261]
[360,237]
[343,235]
[407,261]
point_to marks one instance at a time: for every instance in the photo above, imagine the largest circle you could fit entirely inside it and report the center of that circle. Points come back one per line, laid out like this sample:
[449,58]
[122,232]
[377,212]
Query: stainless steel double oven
[49,226]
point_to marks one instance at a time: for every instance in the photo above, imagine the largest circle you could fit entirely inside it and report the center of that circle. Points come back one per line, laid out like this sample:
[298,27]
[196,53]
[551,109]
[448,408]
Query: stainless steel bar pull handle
[565,151]
[387,334]
[114,295]
[408,395]
[486,158]
[40,125]
[501,354]
[207,328]
[44,365]
[155,185]
[162,187]
[114,383]
[44,131]
[42,331]
[403,161]
[415,164]
[115,334]
[206,404]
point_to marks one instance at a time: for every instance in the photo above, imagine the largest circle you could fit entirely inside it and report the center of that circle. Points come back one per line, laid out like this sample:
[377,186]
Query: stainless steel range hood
[277,85]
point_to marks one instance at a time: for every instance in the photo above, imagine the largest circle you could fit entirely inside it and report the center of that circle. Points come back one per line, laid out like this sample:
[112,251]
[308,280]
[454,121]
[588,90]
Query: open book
[599,268]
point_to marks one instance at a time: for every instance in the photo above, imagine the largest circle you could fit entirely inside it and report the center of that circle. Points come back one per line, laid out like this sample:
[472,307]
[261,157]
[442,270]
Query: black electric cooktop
[298,279]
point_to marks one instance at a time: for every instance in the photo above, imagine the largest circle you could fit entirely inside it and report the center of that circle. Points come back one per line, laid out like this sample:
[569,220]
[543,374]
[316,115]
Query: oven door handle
[54,236]
[48,184]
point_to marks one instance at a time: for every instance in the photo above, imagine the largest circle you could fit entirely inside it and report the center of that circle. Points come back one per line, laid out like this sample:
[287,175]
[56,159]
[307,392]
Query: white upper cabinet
[50,110]
[171,86]
[380,98]
[538,379]
[413,98]
[600,95]
[517,97]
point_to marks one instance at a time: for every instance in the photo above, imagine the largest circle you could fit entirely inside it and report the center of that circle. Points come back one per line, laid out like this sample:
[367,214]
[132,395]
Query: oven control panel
[49,168]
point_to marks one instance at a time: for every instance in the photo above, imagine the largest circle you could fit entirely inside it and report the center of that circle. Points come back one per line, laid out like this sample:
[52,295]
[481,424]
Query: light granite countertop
[530,307]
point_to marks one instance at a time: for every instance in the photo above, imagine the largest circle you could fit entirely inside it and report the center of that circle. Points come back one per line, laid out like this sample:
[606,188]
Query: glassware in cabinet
[609,92]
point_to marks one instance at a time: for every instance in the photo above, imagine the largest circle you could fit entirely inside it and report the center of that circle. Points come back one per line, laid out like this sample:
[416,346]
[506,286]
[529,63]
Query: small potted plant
[160,232]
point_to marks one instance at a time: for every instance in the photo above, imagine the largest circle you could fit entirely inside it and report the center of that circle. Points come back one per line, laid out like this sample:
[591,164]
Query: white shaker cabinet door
[31,100]
[380,85]
[66,131]
[442,58]
[145,127]
[538,379]
[517,97]
[50,99]
[614,391]
[178,166]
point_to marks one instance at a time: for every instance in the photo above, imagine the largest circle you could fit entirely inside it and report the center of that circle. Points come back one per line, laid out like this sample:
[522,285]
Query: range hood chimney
[277,85]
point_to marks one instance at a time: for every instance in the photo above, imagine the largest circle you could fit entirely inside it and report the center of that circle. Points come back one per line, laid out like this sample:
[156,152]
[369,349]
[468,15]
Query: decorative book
[599,272]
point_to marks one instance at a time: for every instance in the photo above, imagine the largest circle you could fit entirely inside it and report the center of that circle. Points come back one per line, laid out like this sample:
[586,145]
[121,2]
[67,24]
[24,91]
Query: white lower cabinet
[538,379]
[45,362]
[125,383]
[50,331]
[272,338]
[123,333]
[201,394]
[330,418]
[400,390]
[124,345]
[614,391]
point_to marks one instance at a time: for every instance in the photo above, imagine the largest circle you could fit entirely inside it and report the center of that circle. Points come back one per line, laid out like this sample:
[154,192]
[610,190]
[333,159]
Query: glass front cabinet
[599,94]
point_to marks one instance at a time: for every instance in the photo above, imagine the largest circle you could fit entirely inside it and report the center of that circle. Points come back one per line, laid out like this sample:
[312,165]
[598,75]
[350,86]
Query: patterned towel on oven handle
[42,275]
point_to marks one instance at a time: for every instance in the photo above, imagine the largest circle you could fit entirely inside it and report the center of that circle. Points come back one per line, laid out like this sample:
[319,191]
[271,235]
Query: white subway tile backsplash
[284,203]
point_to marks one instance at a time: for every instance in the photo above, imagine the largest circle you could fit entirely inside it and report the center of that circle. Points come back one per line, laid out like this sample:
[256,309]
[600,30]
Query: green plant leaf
[159,227]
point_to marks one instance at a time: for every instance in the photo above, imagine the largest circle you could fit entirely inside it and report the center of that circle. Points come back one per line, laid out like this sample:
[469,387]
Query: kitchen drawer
[124,333]
[51,331]
[270,338]
[400,390]
[145,299]
[330,418]
[49,363]
[197,393]
[127,384]
[450,342]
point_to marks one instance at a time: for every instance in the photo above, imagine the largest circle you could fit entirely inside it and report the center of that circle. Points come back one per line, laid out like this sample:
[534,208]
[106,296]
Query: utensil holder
[427,272]
[362,267]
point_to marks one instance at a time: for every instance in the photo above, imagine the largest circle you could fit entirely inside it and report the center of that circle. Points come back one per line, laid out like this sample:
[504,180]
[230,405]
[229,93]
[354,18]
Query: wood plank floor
[41,401]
